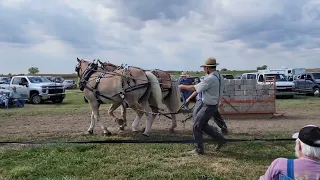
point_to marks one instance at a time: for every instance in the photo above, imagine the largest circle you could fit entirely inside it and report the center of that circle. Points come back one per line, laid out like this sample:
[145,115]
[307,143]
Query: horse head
[84,65]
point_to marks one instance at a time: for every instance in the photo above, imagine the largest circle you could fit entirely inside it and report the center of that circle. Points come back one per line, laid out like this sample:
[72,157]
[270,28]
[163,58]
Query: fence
[247,97]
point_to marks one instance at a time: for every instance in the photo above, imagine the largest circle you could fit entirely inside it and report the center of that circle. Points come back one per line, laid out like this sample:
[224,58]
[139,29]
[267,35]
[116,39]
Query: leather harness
[93,67]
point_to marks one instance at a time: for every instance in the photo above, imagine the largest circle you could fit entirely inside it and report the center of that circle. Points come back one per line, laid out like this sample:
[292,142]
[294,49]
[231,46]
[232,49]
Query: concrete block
[259,86]
[265,91]
[249,87]
[251,97]
[238,93]
[243,87]
[238,81]
[237,87]
[253,82]
[272,87]
[229,87]
[226,82]
[271,92]
[265,86]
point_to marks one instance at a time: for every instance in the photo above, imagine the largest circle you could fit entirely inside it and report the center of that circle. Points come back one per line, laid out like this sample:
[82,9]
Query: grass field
[247,160]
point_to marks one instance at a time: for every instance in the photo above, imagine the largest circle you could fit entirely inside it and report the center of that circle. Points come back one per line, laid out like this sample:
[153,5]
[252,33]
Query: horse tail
[175,95]
[156,93]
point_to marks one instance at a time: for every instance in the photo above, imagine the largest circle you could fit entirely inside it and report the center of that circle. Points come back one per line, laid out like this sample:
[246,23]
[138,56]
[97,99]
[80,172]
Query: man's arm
[195,93]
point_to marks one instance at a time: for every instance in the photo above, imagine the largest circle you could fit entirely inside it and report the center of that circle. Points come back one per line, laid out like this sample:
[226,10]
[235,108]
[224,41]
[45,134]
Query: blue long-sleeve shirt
[185,93]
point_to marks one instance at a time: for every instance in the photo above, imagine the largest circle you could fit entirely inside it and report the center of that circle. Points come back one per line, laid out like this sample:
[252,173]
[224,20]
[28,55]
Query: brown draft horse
[117,87]
[169,90]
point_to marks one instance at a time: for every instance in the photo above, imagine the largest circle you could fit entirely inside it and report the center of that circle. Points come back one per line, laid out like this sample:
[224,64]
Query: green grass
[246,160]
[143,161]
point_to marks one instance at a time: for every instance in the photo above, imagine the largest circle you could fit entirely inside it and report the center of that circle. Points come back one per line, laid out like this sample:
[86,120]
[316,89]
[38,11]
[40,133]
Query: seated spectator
[4,100]
[185,81]
[307,150]
[16,97]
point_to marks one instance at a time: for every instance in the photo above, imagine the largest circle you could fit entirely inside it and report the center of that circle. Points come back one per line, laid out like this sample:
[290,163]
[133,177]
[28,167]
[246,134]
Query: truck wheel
[36,99]
[316,91]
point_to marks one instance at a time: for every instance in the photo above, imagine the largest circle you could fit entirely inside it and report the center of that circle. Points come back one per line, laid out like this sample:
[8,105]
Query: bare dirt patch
[55,125]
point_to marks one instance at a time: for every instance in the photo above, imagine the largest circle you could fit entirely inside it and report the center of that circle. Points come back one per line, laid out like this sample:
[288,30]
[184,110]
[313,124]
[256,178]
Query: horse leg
[173,116]
[112,108]
[90,130]
[95,109]
[139,111]
[150,118]
[124,116]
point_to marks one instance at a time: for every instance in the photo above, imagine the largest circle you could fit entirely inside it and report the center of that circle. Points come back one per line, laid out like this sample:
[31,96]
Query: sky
[158,34]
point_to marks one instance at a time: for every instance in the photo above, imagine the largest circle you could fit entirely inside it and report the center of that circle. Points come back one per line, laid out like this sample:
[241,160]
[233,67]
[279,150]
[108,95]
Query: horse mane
[110,64]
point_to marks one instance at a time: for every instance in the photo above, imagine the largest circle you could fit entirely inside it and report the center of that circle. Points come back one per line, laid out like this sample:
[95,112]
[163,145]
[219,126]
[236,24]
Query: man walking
[209,90]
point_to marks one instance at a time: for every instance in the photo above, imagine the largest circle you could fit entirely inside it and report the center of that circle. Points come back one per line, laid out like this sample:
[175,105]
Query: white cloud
[177,34]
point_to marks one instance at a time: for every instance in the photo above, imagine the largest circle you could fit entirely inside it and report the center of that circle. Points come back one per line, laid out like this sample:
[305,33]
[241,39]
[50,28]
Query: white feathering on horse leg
[150,119]
[90,130]
[135,124]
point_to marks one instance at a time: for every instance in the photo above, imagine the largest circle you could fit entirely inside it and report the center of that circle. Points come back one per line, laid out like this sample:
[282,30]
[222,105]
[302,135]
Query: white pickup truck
[283,86]
[36,89]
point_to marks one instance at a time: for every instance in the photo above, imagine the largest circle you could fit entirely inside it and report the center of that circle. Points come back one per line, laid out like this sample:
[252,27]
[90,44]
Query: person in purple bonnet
[307,166]
[184,80]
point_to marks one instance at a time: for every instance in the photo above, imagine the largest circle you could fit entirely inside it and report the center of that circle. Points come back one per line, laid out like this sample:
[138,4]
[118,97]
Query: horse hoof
[121,128]
[171,130]
[107,134]
[143,129]
[120,121]
[146,135]
[90,132]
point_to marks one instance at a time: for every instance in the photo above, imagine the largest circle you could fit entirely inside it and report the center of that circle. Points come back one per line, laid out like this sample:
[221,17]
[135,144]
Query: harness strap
[138,86]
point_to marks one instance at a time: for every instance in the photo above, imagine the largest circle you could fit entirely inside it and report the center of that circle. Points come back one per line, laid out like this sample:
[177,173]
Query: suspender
[219,85]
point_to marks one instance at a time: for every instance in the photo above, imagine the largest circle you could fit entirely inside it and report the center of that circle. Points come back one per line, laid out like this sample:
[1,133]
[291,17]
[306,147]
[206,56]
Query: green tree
[33,70]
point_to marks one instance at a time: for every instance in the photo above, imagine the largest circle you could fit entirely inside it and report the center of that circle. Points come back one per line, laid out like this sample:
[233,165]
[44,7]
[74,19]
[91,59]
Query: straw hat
[210,62]
[184,74]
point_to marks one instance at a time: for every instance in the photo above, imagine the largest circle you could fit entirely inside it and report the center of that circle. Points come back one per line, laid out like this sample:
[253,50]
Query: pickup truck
[36,89]
[284,87]
[308,83]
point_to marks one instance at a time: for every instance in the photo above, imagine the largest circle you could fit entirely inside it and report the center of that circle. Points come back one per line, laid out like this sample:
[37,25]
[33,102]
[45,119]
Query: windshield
[279,77]
[316,75]
[251,76]
[227,76]
[70,81]
[38,80]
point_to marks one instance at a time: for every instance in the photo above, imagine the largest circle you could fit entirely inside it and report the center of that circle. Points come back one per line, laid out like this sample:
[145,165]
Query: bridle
[85,76]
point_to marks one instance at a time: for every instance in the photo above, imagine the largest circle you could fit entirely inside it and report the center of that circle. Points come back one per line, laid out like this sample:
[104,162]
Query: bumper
[48,96]
[285,93]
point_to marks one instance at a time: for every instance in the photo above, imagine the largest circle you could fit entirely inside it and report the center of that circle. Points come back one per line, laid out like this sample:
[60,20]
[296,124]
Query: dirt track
[73,124]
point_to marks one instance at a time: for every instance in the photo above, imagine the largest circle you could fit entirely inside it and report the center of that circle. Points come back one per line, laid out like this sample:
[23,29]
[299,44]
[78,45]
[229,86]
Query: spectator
[307,150]
[185,81]
[16,97]
[196,80]
[4,100]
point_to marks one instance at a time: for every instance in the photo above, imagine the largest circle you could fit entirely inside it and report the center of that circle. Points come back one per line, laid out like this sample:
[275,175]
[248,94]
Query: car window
[16,80]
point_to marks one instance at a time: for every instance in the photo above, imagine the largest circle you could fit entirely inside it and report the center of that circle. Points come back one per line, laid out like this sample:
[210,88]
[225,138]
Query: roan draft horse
[169,89]
[116,87]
